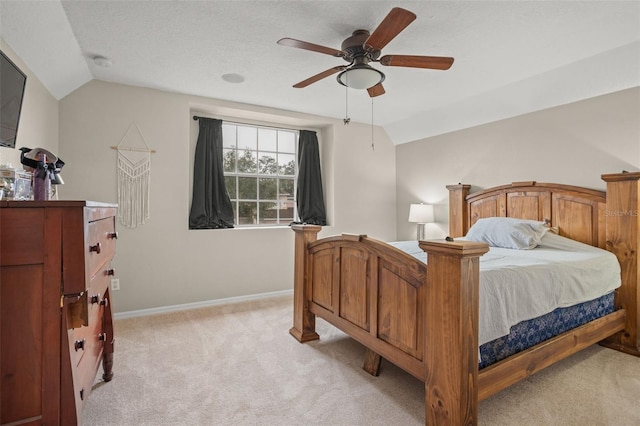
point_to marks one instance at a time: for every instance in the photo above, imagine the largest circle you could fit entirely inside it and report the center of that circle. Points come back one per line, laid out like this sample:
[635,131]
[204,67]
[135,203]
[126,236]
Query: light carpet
[237,365]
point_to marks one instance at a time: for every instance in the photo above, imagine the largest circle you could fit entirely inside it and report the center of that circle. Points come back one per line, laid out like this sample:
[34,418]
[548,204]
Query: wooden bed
[427,324]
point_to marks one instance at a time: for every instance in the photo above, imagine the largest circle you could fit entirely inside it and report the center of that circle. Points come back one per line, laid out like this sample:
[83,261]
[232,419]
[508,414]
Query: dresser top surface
[55,203]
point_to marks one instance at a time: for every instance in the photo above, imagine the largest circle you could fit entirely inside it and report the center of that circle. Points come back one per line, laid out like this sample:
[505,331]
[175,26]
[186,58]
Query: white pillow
[507,232]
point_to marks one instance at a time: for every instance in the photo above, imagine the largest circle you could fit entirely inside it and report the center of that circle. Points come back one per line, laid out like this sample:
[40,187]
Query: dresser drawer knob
[95,248]
[111,272]
[104,302]
[79,344]
[112,235]
[82,394]
[102,337]
[95,298]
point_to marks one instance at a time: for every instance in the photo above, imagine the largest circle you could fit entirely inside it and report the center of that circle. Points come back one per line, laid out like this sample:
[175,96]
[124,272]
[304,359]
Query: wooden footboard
[368,289]
[384,298]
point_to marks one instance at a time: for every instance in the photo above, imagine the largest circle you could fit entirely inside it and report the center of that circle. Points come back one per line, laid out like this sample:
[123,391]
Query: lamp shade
[360,76]
[421,213]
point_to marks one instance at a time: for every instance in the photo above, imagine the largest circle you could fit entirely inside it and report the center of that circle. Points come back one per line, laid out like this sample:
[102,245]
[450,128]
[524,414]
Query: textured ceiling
[511,57]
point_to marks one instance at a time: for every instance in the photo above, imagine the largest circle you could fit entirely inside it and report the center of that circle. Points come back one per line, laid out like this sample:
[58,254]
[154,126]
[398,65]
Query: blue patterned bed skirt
[529,333]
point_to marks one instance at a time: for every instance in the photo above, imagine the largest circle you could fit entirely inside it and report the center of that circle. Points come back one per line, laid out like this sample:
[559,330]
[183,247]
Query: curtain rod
[196,117]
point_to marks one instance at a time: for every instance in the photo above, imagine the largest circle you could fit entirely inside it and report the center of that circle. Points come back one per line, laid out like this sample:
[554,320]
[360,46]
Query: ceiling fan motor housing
[354,50]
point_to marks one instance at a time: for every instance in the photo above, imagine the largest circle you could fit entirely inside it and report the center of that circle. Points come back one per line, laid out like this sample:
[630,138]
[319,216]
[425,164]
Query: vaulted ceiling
[511,57]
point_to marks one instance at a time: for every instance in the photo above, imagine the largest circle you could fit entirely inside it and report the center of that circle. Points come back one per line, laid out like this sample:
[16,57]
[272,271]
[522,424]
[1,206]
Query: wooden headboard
[578,213]
[608,220]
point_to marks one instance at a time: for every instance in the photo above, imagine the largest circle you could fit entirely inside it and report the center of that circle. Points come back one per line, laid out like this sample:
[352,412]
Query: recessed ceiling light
[233,78]
[101,61]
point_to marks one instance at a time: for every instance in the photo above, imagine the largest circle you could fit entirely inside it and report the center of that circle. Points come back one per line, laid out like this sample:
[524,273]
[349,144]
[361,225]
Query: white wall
[38,125]
[573,144]
[164,263]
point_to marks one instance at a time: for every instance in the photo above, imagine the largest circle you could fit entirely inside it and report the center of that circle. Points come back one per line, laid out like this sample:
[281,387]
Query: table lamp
[421,214]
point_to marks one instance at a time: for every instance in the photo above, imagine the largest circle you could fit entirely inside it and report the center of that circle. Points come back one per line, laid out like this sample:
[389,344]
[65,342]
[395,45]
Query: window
[260,173]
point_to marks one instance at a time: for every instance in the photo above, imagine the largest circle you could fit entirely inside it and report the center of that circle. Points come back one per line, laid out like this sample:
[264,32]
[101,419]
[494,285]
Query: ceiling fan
[362,48]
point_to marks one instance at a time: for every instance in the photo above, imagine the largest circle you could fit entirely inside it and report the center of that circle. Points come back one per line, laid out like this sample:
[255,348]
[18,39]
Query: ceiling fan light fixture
[360,76]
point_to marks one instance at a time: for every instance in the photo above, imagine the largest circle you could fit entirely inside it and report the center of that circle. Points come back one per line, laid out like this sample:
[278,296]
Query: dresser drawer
[88,366]
[90,240]
[98,286]
[101,240]
[86,339]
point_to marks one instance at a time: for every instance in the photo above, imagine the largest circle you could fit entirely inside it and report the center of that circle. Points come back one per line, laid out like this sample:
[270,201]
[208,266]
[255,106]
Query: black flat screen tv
[12,84]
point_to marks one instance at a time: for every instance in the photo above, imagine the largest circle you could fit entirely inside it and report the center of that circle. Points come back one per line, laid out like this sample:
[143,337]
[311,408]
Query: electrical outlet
[115,284]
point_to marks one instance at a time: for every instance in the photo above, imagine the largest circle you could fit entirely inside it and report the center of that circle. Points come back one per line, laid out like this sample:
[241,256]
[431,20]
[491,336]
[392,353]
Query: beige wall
[162,262]
[573,144]
[38,125]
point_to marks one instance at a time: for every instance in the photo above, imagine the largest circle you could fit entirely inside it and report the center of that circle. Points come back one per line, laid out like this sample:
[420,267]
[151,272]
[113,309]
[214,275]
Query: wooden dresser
[55,312]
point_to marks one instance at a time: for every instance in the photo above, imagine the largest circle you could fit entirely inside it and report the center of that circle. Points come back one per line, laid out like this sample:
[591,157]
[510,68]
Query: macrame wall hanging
[134,178]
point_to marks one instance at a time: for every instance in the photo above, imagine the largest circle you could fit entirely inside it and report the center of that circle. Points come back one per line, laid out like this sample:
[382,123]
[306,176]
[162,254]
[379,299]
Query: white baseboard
[195,305]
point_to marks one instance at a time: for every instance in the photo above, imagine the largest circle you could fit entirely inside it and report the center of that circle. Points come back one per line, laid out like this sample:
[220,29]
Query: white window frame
[236,175]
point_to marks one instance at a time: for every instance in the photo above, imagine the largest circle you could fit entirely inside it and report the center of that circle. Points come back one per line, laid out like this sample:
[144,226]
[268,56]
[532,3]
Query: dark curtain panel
[309,196]
[211,207]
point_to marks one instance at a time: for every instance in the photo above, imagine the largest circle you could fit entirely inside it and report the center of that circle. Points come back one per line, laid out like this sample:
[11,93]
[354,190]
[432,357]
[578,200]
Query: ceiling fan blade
[376,90]
[431,62]
[310,46]
[396,21]
[319,76]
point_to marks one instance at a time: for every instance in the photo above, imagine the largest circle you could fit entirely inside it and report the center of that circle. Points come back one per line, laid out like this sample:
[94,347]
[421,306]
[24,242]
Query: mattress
[519,285]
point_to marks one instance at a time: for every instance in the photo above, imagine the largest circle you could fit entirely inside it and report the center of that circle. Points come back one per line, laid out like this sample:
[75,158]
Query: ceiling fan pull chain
[373,146]
[346,119]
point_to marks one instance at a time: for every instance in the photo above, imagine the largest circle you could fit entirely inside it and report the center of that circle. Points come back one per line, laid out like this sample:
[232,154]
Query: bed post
[304,322]
[622,221]
[451,331]
[458,210]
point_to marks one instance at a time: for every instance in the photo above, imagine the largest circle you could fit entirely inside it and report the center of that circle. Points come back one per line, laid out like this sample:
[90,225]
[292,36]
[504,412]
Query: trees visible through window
[260,173]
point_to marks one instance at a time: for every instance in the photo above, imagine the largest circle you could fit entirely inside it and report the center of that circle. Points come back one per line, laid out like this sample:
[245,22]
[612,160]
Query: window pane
[286,211]
[286,141]
[268,213]
[268,164]
[229,160]
[228,135]
[247,162]
[260,169]
[268,188]
[247,213]
[247,138]
[230,183]
[286,201]
[234,205]
[267,140]
[247,188]
[286,188]
[287,163]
